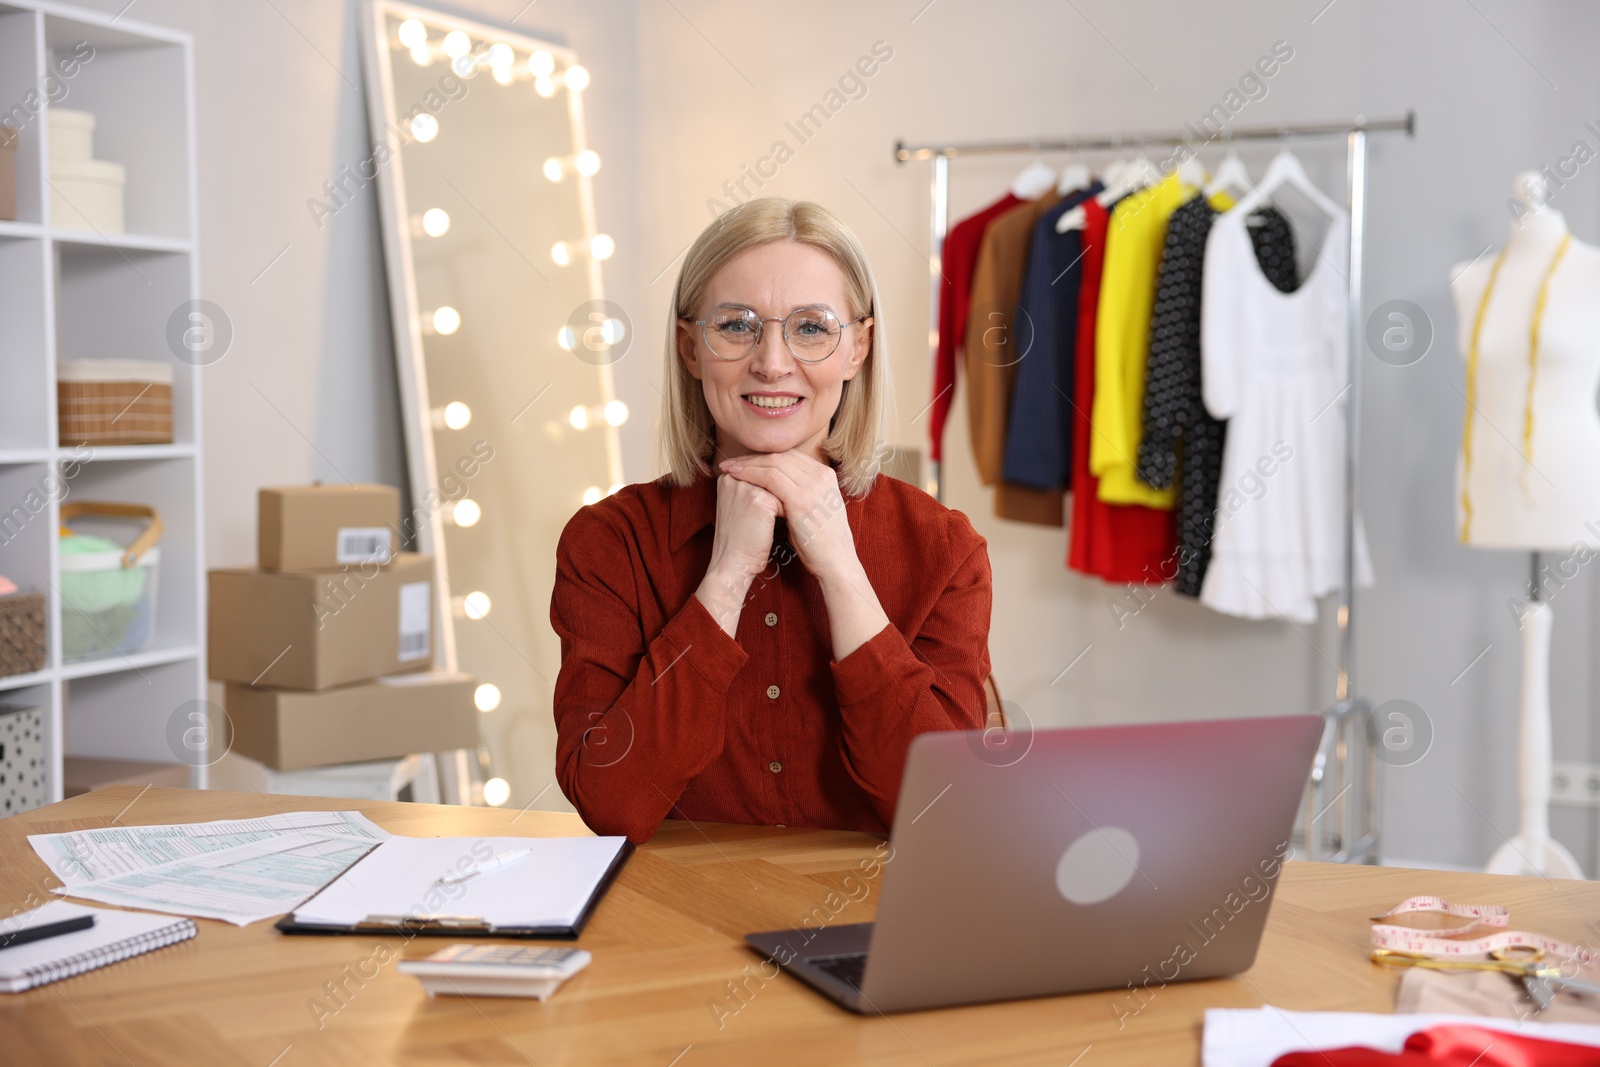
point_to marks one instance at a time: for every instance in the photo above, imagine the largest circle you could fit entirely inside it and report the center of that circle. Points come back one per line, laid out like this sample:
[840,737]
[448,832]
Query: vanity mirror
[505,345]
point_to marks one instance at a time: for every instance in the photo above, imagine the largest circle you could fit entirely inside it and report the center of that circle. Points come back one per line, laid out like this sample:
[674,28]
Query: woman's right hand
[741,548]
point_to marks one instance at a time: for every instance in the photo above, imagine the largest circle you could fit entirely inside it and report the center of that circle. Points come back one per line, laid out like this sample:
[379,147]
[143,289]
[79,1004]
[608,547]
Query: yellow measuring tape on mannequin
[1472,378]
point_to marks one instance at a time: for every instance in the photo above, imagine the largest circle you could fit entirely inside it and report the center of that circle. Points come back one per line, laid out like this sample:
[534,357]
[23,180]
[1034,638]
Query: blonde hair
[687,429]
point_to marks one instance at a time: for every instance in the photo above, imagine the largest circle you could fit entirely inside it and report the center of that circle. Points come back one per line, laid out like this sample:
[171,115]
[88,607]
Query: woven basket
[114,402]
[21,633]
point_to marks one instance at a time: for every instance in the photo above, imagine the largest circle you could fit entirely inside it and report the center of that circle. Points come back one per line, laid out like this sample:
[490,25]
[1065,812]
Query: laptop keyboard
[849,969]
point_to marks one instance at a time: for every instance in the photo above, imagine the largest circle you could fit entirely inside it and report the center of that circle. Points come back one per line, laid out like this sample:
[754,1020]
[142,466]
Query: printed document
[85,856]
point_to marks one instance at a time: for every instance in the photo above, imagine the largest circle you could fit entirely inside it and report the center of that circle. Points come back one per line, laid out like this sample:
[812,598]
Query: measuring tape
[1454,941]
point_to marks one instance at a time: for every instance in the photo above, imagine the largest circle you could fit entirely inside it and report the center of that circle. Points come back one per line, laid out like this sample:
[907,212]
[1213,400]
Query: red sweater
[958,261]
[660,713]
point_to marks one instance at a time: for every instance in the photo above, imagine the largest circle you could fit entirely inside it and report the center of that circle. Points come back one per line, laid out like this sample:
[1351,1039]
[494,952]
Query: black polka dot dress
[1176,423]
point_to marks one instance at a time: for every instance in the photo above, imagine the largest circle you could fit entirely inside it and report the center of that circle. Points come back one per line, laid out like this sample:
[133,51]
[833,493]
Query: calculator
[496,970]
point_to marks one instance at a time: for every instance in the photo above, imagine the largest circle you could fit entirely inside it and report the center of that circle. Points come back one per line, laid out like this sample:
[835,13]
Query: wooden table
[671,983]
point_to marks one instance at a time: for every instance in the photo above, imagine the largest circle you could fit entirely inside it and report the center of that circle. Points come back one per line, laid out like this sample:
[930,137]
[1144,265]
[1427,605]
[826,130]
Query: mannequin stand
[1532,852]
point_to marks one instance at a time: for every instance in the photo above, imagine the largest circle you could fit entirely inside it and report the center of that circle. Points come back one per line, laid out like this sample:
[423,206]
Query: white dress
[1275,365]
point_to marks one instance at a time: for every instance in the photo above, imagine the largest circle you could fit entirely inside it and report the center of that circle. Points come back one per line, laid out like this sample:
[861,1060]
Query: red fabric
[660,713]
[1117,542]
[957,262]
[1455,1046]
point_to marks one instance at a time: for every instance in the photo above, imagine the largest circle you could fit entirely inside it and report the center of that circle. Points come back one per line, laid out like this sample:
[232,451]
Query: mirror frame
[459,781]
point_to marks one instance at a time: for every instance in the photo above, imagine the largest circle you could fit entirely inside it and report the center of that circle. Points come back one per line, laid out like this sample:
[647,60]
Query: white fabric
[1254,1037]
[1275,365]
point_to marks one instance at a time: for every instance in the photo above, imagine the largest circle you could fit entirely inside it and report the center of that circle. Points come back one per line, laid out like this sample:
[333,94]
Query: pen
[497,862]
[39,933]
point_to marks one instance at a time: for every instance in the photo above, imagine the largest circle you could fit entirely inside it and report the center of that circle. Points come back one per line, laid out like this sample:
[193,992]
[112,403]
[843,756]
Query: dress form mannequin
[1527,476]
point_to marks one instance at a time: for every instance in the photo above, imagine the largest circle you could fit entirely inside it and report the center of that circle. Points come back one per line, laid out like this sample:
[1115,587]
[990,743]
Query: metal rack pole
[940,198]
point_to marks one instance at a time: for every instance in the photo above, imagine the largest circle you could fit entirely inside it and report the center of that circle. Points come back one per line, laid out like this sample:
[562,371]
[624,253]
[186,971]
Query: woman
[757,636]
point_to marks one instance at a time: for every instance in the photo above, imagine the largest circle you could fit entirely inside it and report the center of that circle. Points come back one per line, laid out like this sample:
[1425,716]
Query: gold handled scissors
[1541,980]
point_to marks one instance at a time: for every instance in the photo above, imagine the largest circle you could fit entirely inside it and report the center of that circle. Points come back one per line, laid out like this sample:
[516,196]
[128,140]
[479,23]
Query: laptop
[1110,857]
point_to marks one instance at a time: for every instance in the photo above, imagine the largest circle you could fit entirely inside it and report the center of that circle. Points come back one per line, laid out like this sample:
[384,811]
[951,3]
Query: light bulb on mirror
[554,170]
[545,87]
[424,127]
[486,697]
[579,417]
[502,75]
[612,491]
[616,413]
[591,495]
[421,56]
[446,320]
[541,64]
[457,44]
[457,416]
[501,55]
[567,338]
[601,246]
[577,78]
[476,604]
[587,162]
[496,791]
[465,512]
[465,66]
[413,34]
[436,222]
[561,253]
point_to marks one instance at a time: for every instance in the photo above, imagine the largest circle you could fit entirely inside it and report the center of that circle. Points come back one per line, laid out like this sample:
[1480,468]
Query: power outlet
[1575,784]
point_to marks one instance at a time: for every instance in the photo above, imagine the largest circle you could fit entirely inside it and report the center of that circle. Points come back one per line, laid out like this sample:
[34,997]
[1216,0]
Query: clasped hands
[753,492]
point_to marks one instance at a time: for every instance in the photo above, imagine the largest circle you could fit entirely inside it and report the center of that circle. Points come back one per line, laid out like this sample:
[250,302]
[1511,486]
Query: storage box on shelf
[114,402]
[108,587]
[85,192]
[23,764]
[22,633]
[8,173]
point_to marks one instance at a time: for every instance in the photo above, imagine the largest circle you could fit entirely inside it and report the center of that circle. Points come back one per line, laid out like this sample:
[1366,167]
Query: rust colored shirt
[659,713]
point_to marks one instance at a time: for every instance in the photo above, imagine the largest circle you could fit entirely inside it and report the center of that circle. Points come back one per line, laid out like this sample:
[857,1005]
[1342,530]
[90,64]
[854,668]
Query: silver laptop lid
[1119,858]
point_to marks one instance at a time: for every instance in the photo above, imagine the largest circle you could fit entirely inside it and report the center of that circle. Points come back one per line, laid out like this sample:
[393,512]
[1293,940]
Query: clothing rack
[1346,761]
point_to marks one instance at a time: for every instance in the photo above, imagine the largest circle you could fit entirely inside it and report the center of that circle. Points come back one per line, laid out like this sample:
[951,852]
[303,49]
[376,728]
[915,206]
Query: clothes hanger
[1284,169]
[1074,176]
[1036,179]
[1231,176]
[1192,172]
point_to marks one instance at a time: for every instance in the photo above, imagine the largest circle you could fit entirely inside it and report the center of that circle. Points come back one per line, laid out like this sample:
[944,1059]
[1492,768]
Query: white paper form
[399,877]
[240,885]
[84,856]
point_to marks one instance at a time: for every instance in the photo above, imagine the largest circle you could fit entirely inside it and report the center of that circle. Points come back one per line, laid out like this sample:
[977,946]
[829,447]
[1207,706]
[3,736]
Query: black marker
[39,933]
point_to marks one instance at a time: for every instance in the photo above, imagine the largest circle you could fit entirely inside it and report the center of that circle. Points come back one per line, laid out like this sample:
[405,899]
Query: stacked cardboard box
[326,645]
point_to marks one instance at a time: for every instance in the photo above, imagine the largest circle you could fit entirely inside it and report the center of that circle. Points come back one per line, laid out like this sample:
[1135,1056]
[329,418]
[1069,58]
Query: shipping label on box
[415,621]
[316,629]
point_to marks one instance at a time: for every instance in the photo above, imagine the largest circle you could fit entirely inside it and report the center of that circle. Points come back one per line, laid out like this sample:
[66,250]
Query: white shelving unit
[70,294]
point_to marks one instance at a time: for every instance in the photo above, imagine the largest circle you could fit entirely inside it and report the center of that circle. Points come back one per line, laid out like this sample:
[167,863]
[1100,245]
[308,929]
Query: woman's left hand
[813,506]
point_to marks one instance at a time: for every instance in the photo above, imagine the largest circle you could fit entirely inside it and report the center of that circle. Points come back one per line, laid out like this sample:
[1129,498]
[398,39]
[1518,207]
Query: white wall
[684,93]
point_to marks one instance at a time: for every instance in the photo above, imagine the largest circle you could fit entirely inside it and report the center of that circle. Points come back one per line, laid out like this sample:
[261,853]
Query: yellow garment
[1134,242]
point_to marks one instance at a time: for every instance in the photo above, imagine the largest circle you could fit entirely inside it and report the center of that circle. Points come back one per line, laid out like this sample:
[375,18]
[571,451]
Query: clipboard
[463,925]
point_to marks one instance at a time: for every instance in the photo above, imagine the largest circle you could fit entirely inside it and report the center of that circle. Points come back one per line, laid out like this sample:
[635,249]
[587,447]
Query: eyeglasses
[811,334]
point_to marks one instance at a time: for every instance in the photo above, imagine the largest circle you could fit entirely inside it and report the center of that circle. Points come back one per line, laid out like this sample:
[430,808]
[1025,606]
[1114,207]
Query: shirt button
[772,618]
[772,692]
[774,766]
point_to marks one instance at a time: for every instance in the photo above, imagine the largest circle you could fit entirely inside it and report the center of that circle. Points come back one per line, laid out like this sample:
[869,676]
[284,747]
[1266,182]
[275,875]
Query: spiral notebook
[115,935]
